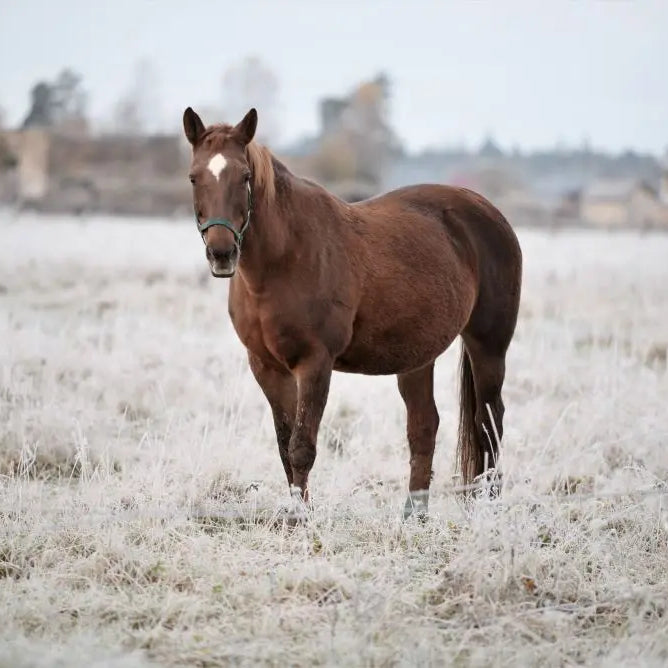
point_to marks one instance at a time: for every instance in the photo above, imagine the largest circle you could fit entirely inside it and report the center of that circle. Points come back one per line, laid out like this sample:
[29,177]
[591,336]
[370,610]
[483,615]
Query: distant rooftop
[615,189]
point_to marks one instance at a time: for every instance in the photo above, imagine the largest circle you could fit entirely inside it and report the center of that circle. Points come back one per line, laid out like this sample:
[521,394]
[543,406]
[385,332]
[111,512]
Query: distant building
[622,203]
[30,150]
[111,173]
[355,147]
[331,111]
[362,110]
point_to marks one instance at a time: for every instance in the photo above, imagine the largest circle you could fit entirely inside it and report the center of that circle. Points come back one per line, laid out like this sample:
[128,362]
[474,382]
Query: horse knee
[302,455]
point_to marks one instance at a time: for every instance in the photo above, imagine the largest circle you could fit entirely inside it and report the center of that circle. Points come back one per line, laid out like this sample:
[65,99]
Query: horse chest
[269,333]
[283,332]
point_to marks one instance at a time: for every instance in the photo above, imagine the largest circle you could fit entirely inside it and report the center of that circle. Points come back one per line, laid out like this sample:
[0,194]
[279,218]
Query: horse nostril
[220,255]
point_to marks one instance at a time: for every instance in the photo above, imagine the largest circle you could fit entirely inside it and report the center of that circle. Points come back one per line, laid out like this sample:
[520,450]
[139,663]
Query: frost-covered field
[132,436]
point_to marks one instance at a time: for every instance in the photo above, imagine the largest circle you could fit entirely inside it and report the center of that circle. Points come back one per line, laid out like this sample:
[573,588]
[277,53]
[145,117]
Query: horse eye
[192,179]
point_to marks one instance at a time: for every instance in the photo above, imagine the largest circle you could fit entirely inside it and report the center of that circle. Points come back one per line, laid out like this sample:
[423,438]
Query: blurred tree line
[355,142]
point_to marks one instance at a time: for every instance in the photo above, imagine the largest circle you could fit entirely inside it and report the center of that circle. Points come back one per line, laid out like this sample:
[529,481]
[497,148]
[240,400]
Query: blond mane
[262,167]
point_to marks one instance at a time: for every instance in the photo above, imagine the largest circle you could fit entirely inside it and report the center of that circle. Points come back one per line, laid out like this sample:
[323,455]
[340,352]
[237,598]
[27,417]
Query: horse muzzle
[222,262]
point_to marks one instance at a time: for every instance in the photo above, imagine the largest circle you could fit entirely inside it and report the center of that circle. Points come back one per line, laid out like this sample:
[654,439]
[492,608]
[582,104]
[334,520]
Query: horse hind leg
[486,408]
[417,390]
[486,339]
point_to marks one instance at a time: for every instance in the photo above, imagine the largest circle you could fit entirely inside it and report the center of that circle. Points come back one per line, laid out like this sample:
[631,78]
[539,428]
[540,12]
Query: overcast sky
[529,73]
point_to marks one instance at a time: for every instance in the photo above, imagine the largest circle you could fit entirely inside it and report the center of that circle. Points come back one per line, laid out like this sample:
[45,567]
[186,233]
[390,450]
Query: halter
[238,236]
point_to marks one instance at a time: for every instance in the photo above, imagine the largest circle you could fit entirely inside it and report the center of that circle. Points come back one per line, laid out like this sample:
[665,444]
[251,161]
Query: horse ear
[245,129]
[192,125]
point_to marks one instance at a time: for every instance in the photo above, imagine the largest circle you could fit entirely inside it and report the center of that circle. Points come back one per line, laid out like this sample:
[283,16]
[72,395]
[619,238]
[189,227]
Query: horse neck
[270,231]
[288,226]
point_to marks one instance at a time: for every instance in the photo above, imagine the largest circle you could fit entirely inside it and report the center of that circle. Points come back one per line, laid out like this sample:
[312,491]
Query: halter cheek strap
[224,222]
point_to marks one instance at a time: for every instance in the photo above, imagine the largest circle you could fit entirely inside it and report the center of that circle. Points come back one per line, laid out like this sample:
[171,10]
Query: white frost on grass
[126,407]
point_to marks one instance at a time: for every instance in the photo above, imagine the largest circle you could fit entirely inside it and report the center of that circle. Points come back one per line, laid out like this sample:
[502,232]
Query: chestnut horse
[382,286]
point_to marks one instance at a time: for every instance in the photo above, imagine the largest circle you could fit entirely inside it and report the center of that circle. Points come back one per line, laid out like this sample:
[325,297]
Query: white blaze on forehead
[217,165]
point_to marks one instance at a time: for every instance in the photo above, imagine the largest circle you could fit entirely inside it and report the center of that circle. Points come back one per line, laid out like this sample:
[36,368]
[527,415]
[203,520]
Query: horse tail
[470,452]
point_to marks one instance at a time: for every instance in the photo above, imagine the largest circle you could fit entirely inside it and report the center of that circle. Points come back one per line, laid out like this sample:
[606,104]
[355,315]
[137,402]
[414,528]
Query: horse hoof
[297,513]
[417,503]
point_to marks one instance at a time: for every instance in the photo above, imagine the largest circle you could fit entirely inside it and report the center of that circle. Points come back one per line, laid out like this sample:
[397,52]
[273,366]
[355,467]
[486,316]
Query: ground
[141,488]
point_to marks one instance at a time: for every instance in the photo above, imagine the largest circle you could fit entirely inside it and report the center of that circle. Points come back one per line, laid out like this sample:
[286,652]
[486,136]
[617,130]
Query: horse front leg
[280,389]
[313,376]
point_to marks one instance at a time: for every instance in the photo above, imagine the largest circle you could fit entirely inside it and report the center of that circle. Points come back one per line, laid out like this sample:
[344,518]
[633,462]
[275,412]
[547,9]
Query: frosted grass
[141,488]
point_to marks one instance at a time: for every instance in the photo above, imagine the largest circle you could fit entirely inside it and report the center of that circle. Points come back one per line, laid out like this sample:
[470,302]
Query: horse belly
[401,335]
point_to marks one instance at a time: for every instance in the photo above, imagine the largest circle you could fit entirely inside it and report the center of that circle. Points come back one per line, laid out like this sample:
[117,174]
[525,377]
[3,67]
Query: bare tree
[136,110]
[41,112]
[250,83]
[58,104]
[69,98]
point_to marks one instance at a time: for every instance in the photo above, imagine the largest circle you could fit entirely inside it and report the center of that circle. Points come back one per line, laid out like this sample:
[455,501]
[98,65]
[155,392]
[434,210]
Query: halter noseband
[223,222]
